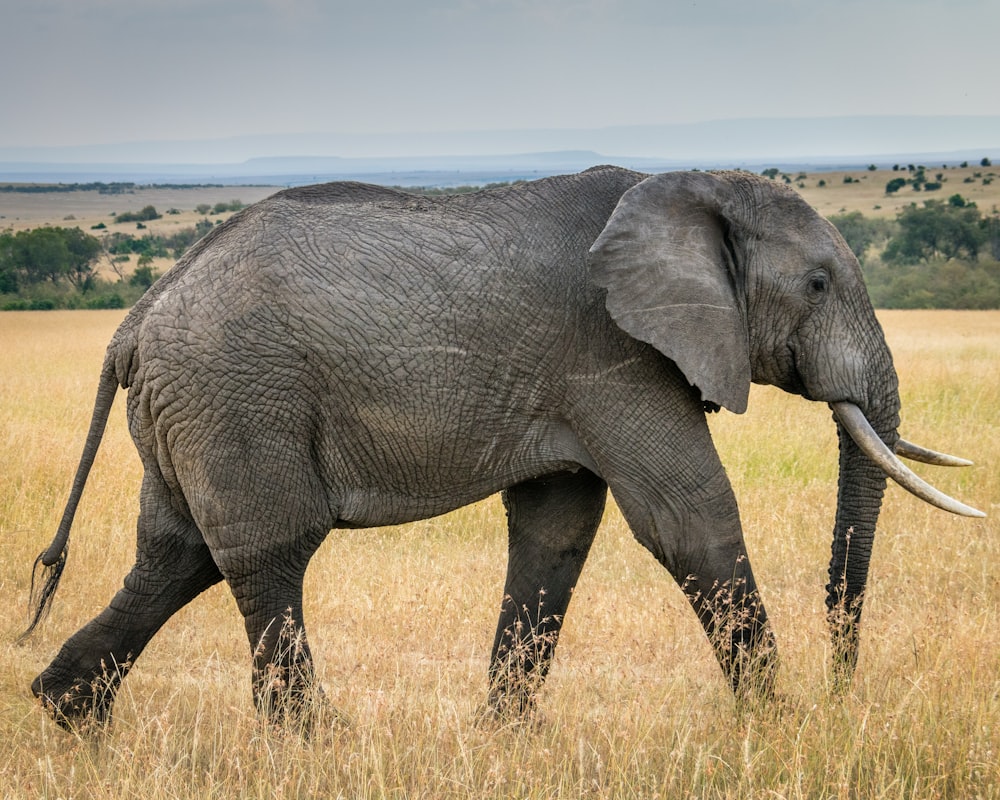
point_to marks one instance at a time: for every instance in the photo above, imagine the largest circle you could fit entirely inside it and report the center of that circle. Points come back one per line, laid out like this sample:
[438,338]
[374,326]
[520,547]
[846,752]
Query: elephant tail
[49,565]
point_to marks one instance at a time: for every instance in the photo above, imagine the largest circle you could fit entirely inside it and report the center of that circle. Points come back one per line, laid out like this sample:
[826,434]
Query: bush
[931,256]
[144,276]
[112,300]
[145,215]
[222,208]
[895,185]
[937,229]
[859,232]
[934,284]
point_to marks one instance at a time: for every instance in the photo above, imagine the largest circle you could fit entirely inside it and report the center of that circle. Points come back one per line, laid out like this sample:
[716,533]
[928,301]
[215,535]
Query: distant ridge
[447,158]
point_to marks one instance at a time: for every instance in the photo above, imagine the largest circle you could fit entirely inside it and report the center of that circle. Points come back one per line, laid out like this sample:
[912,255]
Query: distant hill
[474,157]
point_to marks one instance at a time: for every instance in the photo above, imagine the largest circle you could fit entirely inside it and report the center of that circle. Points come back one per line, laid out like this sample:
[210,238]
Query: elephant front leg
[701,544]
[551,525]
[732,613]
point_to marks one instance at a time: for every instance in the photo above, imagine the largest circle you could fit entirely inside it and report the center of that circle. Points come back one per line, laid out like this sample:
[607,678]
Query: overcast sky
[104,71]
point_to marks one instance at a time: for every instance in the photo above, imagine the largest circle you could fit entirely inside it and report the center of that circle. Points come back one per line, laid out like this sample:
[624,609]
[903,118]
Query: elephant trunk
[861,485]
[859,500]
[869,443]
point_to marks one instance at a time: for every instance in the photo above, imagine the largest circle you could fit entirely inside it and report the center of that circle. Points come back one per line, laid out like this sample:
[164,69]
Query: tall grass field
[401,620]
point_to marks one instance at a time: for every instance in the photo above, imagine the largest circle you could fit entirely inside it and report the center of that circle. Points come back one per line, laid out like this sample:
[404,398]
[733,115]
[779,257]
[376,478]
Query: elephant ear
[667,263]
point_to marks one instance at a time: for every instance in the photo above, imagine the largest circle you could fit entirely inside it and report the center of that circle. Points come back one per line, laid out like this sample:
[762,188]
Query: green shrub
[895,185]
[145,215]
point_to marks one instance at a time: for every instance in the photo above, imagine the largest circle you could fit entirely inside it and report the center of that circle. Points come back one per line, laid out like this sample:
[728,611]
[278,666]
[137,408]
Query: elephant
[345,355]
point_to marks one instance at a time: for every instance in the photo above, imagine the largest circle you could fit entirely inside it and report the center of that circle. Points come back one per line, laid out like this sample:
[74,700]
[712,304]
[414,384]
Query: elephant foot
[305,713]
[512,701]
[290,700]
[495,717]
[80,706]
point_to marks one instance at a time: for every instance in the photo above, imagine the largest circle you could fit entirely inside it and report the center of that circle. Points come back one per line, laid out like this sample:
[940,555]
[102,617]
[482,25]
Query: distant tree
[771,172]
[8,273]
[936,229]
[47,255]
[859,232]
[895,185]
[144,275]
[234,205]
[145,215]
[993,235]
[985,162]
[83,252]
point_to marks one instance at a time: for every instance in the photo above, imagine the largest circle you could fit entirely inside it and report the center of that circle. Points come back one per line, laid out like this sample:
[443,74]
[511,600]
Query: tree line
[57,267]
[116,187]
[937,254]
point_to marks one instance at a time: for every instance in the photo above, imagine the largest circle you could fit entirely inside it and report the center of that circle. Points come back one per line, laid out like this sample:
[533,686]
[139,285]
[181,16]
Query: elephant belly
[408,472]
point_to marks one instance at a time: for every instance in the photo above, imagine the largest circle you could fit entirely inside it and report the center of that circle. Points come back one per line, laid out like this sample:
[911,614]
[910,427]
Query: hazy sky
[100,71]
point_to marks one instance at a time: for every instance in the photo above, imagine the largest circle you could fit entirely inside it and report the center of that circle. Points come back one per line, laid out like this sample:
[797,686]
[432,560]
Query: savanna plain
[401,619]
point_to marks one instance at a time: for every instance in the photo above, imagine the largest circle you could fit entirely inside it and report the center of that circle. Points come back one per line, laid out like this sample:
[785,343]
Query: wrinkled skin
[348,356]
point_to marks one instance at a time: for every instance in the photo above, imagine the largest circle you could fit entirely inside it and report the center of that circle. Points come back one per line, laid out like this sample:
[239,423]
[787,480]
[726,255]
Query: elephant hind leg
[266,582]
[173,565]
[256,493]
[263,532]
[551,526]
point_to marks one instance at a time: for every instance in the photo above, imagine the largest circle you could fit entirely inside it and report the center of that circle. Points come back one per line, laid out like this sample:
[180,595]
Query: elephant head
[737,280]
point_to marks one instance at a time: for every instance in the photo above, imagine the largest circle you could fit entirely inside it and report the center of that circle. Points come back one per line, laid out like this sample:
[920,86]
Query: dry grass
[401,620]
[866,192]
[19,210]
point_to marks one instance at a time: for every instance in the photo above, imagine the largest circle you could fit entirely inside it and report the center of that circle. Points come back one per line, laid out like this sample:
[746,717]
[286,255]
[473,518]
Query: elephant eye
[819,283]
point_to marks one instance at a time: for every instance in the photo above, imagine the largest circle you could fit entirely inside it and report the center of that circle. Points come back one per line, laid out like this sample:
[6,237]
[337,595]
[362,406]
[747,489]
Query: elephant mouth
[792,378]
[853,420]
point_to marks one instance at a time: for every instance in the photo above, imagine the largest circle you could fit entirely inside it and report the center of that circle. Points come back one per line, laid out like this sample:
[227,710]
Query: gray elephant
[344,355]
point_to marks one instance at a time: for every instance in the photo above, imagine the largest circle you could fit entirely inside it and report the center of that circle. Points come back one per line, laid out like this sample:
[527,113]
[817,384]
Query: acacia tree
[83,250]
[48,254]
[949,230]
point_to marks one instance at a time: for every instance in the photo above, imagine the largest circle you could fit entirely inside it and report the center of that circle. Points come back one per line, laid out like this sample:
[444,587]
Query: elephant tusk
[861,431]
[915,452]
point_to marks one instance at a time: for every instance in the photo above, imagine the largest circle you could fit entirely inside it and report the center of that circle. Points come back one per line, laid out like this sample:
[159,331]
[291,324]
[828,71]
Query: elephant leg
[692,527]
[267,585]
[173,565]
[263,532]
[551,525]
[723,592]
[665,474]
